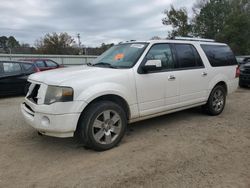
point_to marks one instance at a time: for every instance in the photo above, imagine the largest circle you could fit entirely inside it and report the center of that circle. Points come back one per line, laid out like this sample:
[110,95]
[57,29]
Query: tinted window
[187,55]
[51,64]
[40,64]
[10,68]
[28,68]
[219,55]
[1,69]
[162,52]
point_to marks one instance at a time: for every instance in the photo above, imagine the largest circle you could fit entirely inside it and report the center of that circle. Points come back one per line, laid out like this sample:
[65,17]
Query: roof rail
[194,39]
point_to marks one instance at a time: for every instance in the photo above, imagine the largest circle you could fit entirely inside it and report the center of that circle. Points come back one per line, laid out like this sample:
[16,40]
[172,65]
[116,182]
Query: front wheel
[102,125]
[216,101]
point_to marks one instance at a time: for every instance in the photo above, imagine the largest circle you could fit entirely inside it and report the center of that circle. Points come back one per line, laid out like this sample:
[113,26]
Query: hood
[63,75]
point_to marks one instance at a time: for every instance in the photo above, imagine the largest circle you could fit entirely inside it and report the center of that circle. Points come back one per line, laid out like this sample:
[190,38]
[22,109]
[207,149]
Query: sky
[97,21]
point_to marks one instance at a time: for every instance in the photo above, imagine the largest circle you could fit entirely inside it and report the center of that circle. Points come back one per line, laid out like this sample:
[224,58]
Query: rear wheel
[216,101]
[102,125]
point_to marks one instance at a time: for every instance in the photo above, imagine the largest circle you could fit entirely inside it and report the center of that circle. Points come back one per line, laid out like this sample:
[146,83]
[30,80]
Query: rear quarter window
[219,55]
[51,64]
[40,64]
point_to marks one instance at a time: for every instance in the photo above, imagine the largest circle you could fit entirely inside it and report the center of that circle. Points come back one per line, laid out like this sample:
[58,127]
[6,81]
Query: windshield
[121,56]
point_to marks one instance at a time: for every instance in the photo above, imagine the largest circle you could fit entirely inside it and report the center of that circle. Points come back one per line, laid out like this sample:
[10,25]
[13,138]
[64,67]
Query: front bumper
[48,122]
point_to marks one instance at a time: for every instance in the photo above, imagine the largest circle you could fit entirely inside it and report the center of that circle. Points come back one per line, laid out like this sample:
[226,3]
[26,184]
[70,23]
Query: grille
[33,95]
[247,71]
[27,106]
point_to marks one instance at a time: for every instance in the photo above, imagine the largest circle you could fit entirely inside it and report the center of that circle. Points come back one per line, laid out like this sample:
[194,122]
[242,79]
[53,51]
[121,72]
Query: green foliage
[178,19]
[236,30]
[7,43]
[12,42]
[226,21]
[211,19]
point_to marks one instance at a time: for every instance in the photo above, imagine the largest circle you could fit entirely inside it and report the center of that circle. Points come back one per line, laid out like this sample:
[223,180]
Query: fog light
[45,121]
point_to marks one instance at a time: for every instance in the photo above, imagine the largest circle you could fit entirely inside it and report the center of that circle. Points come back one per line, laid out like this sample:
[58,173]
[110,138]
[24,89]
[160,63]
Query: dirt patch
[184,149]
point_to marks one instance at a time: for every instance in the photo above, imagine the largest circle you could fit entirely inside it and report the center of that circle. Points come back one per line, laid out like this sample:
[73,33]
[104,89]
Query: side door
[12,80]
[193,75]
[157,90]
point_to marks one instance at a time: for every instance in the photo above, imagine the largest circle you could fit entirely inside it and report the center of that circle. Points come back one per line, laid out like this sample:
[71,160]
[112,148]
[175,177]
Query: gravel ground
[184,149]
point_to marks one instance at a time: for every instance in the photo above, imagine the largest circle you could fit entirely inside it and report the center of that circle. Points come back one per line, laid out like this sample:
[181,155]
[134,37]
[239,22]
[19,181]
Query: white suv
[130,82]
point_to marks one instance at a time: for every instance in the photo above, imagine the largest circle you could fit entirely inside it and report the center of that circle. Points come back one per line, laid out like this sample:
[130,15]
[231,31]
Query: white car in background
[130,82]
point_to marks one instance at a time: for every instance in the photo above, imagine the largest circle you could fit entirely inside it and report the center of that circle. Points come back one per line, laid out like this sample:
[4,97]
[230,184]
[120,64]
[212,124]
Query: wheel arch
[112,98]
[223,84]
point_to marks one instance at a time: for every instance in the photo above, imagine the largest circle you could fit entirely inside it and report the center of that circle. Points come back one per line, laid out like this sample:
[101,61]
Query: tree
[7,43]
[54,43]
[12,42]
[155,38]
[236,30]
[3,41]
[178,19]
[225,21]
[211,18]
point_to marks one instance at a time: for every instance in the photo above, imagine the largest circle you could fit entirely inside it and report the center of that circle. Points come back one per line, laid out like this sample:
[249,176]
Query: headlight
[58,94]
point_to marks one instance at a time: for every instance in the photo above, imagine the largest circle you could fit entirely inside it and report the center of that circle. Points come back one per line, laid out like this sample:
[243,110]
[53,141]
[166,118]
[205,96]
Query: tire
[102,125]
[216,101]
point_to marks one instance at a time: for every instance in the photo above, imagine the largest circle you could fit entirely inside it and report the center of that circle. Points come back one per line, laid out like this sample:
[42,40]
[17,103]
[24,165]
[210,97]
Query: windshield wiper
[105,64]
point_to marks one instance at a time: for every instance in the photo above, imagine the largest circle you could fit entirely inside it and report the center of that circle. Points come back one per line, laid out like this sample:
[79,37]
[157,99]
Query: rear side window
[188,56]
[28,67]
[40,64]
[219,55]
[11,68]
[51,64]
[1,69]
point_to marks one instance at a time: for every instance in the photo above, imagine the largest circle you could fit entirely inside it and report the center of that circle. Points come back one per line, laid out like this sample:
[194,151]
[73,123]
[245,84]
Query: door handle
[171,77]
[204,74]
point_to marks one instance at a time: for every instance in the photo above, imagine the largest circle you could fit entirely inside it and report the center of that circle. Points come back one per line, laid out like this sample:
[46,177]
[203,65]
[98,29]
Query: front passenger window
[161,52]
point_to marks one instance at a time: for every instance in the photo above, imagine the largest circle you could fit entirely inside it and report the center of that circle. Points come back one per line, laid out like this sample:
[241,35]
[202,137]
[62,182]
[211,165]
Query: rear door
[12,78]
[193,77]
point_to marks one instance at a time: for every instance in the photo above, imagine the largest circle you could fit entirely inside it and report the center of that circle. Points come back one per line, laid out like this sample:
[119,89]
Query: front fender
[98,90]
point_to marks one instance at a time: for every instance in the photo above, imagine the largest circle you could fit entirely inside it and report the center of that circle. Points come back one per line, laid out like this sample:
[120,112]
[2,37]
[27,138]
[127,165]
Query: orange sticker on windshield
[119,56]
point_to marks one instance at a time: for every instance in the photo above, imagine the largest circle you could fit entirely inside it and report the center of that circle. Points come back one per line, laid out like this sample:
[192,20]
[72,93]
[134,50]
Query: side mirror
[152,65]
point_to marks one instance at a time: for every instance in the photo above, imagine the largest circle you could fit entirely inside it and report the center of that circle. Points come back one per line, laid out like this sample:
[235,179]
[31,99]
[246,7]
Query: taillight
[237,73]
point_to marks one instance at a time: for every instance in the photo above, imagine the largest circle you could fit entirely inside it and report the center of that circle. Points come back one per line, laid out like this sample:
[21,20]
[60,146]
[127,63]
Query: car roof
[185,41]
[35,59]
[15,61]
